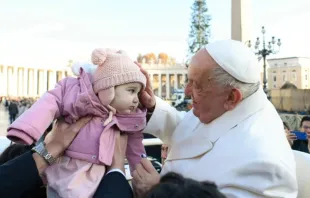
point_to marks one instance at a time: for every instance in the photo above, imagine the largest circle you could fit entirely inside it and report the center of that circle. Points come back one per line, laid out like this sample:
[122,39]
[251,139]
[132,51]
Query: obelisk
[241,20]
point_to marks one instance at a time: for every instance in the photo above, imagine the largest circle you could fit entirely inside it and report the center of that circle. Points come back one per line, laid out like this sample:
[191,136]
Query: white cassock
[244,151]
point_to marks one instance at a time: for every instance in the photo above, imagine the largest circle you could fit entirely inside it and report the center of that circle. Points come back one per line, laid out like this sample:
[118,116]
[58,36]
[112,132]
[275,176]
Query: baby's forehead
[131,85]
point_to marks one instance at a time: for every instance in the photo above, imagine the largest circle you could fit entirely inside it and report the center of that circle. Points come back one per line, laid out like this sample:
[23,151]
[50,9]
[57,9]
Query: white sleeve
[163,121]
[116,170]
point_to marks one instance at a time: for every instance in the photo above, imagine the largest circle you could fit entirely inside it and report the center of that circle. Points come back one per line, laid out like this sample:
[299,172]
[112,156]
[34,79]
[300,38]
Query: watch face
[41,150]
[48,156]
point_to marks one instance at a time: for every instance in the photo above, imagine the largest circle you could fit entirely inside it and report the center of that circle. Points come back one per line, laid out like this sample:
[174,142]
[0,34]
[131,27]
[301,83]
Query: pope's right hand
[147,97]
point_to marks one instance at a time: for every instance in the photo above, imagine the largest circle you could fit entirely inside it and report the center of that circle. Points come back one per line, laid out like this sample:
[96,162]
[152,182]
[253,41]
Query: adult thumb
[80,124]
[148,166]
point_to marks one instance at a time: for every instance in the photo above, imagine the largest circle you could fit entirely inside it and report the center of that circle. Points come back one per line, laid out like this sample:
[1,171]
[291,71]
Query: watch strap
[42,151]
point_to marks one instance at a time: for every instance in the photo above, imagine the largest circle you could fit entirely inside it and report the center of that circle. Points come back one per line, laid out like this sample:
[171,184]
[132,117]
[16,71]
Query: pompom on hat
[114,68]
[236,59]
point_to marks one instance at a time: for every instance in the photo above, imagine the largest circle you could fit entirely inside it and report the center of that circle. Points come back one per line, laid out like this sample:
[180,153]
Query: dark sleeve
[19,176]
[114,185]
[300,145]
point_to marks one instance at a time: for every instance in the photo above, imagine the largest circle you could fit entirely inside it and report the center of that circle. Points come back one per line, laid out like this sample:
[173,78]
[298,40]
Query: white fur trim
[87,67]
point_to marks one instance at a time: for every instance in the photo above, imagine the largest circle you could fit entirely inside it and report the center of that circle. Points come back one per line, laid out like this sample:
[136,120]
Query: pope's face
[207,96]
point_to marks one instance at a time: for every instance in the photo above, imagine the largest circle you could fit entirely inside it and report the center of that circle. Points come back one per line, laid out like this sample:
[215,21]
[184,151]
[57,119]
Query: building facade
[32,82]
[17,81]
[295,70]
[166,78]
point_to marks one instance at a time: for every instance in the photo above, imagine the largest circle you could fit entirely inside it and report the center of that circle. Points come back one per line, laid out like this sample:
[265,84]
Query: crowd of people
[16,106]
[231,144]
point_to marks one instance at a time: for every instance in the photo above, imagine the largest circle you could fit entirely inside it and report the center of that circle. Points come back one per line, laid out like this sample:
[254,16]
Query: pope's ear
[235,96]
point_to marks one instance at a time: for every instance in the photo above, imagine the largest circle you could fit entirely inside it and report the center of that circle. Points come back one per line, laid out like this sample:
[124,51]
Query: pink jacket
[73,98]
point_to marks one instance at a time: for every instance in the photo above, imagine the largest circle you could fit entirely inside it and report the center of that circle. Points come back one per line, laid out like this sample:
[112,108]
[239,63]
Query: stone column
[26,84]
[52,79]
[5,80]
[30,83]
[241,20]
[45,83]
[42,82]
[168,86]
[36,83]
[20,81]
[176,81]
[15,84]
[184,79]
[159,85]
[152,78]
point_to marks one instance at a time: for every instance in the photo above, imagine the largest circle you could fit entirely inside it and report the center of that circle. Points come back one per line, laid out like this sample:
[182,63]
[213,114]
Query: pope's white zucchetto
[236,59]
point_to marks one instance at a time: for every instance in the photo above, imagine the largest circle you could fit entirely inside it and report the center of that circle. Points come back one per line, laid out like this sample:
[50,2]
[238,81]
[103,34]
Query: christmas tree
[200,27]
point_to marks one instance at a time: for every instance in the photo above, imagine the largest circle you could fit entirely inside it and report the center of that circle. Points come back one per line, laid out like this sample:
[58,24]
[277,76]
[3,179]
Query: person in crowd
[164,153]
[22,108]
[6,104]
[229,135]
[286,127]
[13,111]
[301,145]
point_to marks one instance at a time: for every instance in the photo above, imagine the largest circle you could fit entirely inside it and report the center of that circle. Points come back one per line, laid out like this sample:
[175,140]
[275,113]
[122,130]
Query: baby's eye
[131,90]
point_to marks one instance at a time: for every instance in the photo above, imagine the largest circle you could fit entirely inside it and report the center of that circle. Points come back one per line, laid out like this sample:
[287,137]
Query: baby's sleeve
[30,125]
[134,150]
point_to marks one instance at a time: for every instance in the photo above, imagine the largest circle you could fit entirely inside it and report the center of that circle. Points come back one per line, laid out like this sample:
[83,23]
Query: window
[293,76]
[306,77]
[275,64]
[274,86]
[285,64]
[284,76]
[274,76]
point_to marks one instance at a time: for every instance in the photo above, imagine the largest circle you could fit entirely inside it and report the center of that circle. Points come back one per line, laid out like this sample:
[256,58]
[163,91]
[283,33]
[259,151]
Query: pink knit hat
[114,68]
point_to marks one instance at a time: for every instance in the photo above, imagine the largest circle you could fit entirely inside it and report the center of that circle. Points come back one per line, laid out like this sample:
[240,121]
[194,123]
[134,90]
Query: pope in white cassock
[233,136]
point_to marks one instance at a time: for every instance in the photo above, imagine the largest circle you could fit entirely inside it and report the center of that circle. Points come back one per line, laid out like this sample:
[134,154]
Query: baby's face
[126,97]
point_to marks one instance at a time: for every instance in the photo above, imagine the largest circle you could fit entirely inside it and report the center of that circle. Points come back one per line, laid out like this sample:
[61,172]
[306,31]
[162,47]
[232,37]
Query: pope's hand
[144,177]
[147,97]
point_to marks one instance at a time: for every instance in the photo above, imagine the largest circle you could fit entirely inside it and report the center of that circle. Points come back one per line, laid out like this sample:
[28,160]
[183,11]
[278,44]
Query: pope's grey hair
[225,79]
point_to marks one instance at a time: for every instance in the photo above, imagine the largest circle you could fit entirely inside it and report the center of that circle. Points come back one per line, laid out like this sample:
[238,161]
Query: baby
[110,94]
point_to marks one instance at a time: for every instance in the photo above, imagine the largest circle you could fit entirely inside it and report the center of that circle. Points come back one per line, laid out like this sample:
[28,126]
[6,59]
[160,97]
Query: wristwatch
[41,150]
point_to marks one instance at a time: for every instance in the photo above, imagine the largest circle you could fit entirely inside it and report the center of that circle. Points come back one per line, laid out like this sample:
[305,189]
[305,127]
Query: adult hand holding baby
[59,139]
[118,161]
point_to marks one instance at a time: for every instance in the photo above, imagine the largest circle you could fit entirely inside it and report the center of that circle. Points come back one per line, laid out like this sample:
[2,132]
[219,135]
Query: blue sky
[49,33]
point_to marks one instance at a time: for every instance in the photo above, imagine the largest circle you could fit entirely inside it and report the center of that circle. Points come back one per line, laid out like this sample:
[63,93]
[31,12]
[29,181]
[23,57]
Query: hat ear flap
[106,96]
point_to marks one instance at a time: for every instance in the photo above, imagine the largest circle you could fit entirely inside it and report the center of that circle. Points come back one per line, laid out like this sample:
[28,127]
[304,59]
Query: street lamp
[264,52]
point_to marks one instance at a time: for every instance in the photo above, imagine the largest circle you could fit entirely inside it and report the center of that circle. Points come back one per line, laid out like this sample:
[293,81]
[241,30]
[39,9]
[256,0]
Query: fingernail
[143,156]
